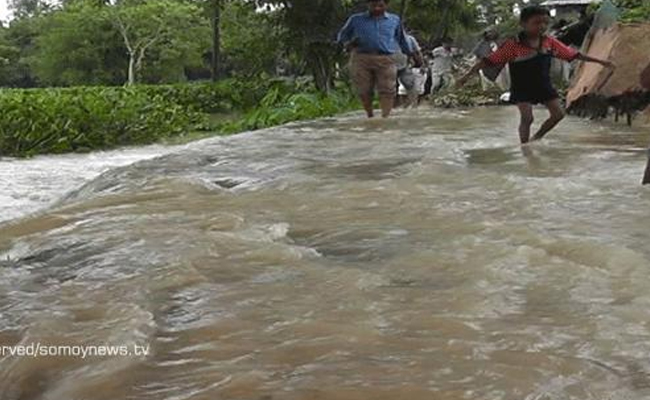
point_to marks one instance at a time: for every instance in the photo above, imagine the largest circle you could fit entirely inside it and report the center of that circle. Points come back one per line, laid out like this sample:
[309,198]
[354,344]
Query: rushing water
[32,184]
[425,257]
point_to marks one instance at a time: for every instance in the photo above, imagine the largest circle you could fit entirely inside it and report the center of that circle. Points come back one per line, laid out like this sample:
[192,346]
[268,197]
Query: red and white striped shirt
[515,50]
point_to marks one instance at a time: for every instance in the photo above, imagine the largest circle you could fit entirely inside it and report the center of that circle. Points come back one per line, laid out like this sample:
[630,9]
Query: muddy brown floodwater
[425,257]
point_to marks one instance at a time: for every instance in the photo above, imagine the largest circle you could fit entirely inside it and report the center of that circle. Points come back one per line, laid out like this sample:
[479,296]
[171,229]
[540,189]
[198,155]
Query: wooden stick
[646,178]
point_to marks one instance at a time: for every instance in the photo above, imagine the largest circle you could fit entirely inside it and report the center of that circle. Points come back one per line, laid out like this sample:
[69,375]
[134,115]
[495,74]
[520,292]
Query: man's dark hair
[533,11]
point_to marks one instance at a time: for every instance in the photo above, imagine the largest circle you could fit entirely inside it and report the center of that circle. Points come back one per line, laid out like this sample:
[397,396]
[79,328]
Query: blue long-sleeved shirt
[382,35]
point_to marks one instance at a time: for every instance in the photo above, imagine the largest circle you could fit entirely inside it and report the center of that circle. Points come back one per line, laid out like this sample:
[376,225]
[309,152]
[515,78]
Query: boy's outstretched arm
[604,63]
[477,67]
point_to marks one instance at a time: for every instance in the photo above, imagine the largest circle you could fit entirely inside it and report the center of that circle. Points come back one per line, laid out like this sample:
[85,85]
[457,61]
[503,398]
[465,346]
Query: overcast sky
[3,10]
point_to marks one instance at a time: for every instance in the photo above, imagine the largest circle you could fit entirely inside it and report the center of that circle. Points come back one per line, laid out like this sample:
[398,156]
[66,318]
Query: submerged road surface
[425,257]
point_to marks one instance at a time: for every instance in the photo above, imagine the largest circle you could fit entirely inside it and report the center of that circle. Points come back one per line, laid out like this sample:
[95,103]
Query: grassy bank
[61,120]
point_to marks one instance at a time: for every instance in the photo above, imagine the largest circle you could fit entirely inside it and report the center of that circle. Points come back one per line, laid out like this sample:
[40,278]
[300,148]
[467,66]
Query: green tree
[177,29]
[634,10]
[78,45]
[9,56]
[28,8]
[310,29]
[20,38]
[214,9]
[438,19]
[251,40]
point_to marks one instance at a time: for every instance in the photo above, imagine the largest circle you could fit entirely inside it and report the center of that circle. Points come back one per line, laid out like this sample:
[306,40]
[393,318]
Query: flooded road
[425,257]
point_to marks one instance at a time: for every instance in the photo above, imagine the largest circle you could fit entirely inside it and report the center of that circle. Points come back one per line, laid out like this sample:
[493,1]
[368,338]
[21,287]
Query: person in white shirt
[410,77]
[442,66]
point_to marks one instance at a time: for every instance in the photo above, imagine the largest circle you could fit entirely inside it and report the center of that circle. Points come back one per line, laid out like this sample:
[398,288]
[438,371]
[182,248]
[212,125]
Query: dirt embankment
[595,90]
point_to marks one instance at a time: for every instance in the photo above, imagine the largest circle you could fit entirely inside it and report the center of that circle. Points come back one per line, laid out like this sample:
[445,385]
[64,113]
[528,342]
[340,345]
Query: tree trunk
[320,61]
[131,77]
[402,10]
[443,28]
[216,39]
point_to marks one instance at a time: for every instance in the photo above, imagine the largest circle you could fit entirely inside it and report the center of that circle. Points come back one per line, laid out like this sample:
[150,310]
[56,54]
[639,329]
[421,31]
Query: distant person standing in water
[442,66]
[374,37]
[529,57]
[492,74]
[410,75]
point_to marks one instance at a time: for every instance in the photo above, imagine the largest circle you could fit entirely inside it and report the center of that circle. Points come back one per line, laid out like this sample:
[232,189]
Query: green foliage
[310,27]
[634,10]
[249,39]
[19,40]
[91,42]
[78,46]
[223,96]
[29,8]
[283,104]
[37,121]
[438,19]
[9,55]
[175,30]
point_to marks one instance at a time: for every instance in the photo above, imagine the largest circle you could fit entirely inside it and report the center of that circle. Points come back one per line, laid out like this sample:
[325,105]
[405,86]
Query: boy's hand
[609,65]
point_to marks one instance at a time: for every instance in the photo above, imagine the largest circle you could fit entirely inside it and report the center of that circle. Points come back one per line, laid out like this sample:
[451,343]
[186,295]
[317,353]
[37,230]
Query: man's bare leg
[366,100]
[386,102]
[646,178]
[386,78]
[364,80]
[527,119]
[556,115]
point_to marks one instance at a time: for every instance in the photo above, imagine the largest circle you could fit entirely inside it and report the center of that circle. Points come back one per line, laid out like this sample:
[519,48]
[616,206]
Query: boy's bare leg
[556,115]
[646,178]
[527,119]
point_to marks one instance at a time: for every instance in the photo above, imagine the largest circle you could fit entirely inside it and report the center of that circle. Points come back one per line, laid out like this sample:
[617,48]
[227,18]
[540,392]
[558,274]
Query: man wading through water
[374,38]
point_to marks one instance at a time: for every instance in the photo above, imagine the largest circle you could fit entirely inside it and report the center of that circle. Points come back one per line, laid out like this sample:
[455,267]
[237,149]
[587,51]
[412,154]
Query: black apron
[531,79]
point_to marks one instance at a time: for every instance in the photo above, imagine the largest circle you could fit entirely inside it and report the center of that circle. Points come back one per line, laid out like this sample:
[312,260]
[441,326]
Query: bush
[280,106]
[634,10]
[35,121]
[223,96]
[64,120]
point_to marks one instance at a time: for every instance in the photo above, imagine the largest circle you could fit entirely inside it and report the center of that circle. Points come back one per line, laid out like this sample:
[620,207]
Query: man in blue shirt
[374,37]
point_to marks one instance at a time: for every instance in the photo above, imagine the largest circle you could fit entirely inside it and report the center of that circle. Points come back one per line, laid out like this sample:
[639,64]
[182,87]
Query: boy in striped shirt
[529,57]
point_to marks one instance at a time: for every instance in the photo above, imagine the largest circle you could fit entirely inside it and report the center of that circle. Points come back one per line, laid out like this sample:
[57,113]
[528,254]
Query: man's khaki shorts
[371,70]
